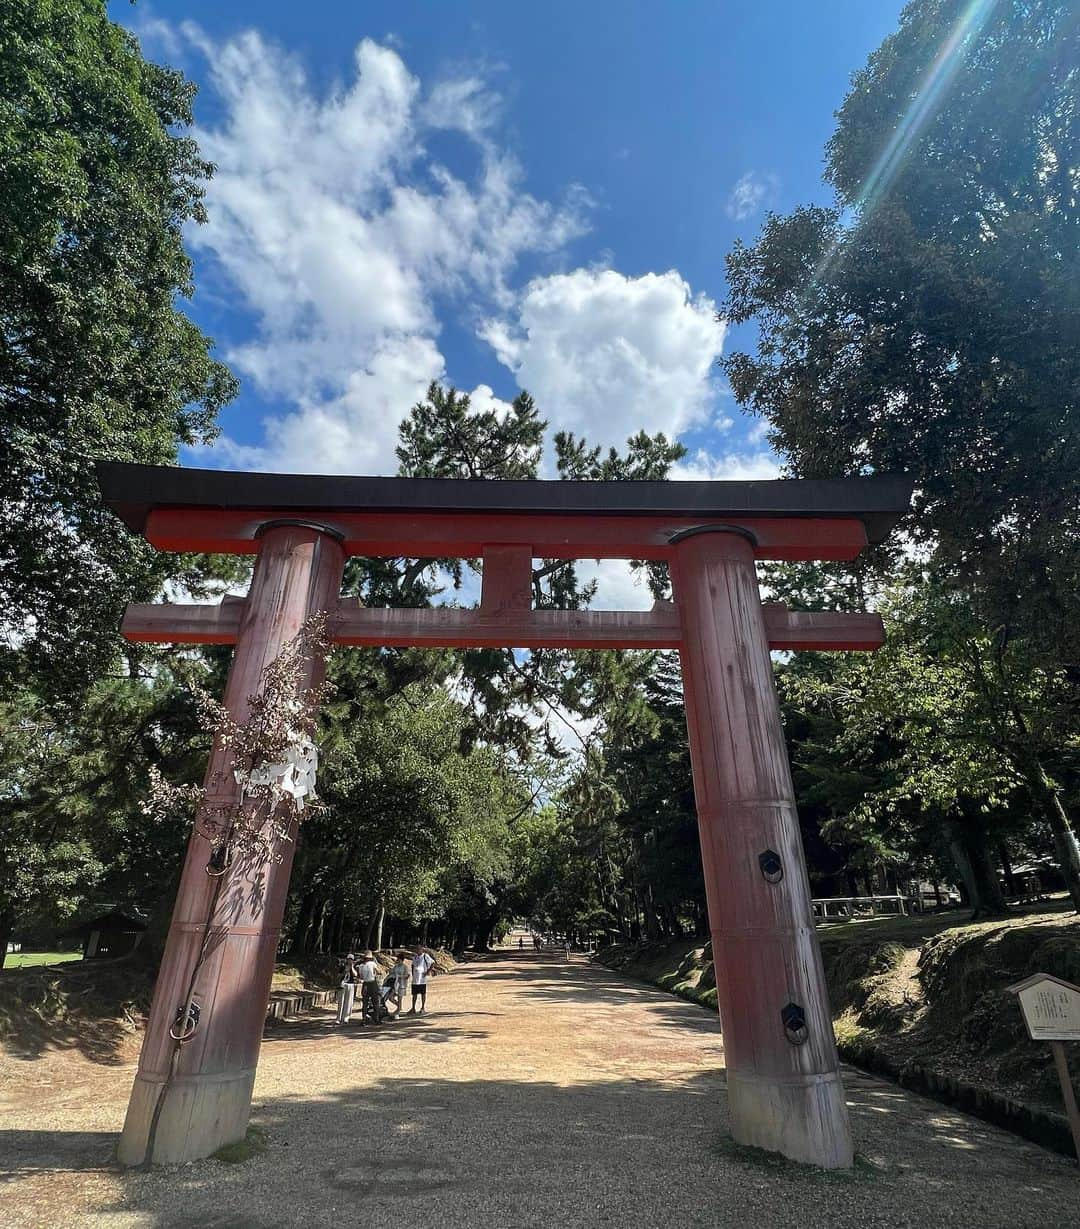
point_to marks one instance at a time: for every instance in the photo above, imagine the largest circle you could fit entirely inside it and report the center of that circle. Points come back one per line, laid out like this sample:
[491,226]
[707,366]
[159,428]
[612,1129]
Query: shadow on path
[445,1026]
[508,1153]
[445,1139]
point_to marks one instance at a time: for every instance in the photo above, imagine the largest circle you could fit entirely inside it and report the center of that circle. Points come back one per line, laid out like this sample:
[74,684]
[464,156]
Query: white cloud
[332,224]
[703,466]
[607,355]
[464,103]
[618,586]
[337,231]
[752,192]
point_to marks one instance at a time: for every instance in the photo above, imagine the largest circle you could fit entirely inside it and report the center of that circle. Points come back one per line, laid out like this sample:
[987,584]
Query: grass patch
[251,1145]
[32,960]
[914,930]
[863,1169]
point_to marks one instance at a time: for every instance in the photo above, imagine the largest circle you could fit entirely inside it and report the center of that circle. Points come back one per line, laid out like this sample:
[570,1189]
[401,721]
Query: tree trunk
[986,873]
[652,922]
[1065,844]
[1006,869]
[320,927]
[380,914]
[1048,801]
[301,934]
[968,847]
[7,929]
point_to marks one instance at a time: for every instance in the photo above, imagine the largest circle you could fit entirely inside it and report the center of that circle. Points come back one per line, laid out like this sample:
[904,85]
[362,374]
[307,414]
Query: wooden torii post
[783,1075]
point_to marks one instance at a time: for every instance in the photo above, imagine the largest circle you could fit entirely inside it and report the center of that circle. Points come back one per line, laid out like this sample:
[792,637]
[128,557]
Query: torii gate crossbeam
[784,1085]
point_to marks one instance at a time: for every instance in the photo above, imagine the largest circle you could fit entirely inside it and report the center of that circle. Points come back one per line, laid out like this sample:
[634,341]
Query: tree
[414,824]
[903,753]
[97,182]
[73,780]
[929,321]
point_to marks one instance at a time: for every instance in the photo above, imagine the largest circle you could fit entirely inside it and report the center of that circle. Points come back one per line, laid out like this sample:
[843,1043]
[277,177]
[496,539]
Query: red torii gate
[783,1078]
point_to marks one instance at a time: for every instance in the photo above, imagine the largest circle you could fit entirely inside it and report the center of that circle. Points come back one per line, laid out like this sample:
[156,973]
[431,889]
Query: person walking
[346,995]
[399,976]
[422,963]
[369,988]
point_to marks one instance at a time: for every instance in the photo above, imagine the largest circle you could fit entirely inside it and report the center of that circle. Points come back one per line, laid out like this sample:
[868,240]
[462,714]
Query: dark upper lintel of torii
[132,491]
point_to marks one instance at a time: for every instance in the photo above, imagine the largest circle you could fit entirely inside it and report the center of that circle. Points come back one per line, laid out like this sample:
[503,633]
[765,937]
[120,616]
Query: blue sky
[497,195]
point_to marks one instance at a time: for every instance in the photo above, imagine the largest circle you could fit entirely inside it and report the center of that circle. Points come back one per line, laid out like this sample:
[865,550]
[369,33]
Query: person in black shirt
[347,990]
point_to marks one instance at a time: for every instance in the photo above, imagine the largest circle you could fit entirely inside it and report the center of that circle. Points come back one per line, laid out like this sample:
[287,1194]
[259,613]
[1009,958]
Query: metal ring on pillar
[293,523]
[694,530]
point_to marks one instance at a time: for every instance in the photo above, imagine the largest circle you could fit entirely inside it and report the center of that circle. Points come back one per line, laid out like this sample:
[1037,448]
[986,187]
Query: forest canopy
[926,321]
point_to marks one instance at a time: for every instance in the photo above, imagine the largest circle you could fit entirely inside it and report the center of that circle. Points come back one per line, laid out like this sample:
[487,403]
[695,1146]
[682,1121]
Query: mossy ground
[863,1169]
[252,1144]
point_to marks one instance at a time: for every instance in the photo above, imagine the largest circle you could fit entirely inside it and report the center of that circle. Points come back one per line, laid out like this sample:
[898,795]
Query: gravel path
[535,1093]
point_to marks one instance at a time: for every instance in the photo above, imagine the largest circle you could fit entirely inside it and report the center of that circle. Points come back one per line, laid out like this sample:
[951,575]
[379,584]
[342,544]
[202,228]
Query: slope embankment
[97,1008]
[924,1001]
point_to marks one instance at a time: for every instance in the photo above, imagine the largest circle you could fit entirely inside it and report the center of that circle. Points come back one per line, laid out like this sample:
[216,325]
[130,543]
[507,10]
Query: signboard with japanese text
[1050,1007]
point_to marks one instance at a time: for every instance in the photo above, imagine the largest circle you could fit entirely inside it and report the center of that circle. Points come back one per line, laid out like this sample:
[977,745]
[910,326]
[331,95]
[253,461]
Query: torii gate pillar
[192,1110]
[783,1076]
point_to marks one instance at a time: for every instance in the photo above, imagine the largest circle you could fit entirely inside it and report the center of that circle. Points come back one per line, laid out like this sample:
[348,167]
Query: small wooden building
[110,934]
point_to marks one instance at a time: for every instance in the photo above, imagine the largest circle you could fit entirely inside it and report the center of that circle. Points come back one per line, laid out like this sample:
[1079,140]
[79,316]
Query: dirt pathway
[536,1093]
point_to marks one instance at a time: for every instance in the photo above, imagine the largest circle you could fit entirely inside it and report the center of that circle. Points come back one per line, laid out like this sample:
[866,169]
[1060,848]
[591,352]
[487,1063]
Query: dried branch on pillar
[273,756]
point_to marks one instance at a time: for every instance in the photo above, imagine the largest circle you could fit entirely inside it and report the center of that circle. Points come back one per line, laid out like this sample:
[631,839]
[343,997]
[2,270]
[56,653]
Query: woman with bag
[346,996]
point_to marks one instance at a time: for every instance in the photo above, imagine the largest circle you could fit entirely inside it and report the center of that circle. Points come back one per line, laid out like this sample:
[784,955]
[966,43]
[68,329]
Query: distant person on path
[422,962]
[521,944]
[400,976]
[369,988]
[346,995]
[566,948]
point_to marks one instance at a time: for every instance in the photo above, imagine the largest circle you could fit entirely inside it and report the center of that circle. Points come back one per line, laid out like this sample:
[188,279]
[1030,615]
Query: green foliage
[929,322]
[414,817]
[926,322]
[97,182]
[72,782]
[902,755]
[444,437]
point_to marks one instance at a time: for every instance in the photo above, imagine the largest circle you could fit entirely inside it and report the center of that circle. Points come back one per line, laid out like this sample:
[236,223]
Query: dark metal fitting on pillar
[186,1022]
[772,868]
[292,523]
[793,1018]
[220,860]
[695,530]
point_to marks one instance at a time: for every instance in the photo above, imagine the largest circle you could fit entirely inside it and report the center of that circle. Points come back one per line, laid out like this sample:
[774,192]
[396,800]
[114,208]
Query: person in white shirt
[369,988]
[422,963]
